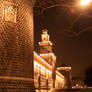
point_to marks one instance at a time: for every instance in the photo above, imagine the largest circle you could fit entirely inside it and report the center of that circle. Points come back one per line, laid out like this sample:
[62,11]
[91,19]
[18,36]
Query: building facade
[66,72]
[16,46]
[18,71]
[45,74]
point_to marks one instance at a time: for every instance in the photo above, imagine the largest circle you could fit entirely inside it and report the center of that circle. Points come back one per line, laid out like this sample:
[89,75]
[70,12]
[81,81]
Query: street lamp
[85,2]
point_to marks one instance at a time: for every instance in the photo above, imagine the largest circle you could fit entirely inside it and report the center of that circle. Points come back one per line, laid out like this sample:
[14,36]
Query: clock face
[10,12]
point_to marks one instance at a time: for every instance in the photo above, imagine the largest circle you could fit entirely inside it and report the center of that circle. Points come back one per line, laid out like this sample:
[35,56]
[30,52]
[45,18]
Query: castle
[45,73]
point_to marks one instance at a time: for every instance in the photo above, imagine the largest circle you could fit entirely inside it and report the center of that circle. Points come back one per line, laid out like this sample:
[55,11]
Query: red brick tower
[16,46]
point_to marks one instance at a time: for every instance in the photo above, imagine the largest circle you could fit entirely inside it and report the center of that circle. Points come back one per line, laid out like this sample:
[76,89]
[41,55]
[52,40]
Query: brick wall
[16,46]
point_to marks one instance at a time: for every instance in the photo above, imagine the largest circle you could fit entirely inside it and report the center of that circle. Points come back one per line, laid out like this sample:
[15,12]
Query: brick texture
[16,48]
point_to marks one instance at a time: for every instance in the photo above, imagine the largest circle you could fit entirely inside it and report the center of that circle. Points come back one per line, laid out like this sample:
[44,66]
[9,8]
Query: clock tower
[46,52]
[45,44]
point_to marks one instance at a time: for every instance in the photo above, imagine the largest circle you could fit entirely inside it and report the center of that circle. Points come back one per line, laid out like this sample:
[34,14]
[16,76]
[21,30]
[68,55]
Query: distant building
[78,83]
[45,73]
[66,72]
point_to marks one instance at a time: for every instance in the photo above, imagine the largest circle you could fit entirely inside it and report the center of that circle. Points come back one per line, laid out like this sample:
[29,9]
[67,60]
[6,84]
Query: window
[10,12]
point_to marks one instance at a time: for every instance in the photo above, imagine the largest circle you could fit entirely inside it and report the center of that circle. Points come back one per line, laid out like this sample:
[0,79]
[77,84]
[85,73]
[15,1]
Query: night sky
[71,49]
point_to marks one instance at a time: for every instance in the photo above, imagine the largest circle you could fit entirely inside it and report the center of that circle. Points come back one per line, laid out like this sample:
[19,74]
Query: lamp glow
[85,2]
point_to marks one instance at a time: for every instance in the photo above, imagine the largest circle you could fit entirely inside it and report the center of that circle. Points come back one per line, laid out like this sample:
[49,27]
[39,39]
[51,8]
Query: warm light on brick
[10,12]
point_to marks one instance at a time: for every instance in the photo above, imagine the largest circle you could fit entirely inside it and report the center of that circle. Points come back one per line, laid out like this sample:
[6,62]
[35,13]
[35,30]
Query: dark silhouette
[88,78]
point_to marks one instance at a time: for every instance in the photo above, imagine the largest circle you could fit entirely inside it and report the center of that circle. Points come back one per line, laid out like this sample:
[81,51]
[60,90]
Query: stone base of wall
[16,84]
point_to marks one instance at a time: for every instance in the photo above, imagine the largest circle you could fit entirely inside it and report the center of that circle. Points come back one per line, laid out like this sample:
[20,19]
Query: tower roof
[44,31]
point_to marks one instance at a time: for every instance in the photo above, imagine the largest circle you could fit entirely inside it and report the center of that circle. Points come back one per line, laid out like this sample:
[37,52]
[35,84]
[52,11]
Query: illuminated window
[10,12]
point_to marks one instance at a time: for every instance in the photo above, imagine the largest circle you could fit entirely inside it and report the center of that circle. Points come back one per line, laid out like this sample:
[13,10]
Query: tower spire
[45,36]
[45,44]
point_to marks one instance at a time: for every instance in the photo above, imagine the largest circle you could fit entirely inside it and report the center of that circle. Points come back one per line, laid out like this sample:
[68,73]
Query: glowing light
[42,67]
[85,2]
[64,68]
[10,12]
[59,74]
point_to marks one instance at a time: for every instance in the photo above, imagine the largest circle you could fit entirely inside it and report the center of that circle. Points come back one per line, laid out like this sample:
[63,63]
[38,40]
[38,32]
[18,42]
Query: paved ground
[66,90]
[85,90]
[43,90]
